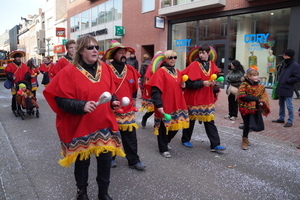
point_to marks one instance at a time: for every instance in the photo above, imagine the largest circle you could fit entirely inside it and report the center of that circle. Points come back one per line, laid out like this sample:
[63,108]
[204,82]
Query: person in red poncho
[199,96]
[33,73]
[126,81]
[65,60]
[45,68]
[16,72]
[167,96]
[84,126]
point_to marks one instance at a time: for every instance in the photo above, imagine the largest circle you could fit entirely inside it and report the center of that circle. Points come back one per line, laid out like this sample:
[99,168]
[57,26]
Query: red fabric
[170,87]
[147,90]
[75,84]
[61,63]
[33,72]
[128,87]
[18,72]
[203,96]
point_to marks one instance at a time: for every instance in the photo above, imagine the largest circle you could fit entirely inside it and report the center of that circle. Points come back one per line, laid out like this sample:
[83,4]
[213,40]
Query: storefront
[256,39]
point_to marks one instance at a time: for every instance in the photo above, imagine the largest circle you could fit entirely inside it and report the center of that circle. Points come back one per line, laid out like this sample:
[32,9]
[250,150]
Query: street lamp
[48,40]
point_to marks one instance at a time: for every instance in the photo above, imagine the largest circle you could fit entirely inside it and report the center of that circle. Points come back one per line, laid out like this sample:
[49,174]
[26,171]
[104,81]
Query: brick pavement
[276,131]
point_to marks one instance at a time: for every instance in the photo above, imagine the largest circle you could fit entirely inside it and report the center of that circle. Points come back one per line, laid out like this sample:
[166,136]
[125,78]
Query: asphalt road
[30,150]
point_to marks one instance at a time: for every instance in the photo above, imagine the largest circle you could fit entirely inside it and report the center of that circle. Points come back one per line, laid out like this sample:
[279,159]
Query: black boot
[82,194]
[103,195]
[145,117]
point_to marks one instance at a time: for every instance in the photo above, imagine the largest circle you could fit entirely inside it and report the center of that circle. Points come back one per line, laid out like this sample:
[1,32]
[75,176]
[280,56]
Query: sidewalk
[273,130]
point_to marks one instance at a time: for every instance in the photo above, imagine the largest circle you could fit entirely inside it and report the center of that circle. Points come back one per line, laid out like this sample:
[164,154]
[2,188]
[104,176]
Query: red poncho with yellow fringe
[200,102]
[126,84]
[172,98]
[147,103]
[249,107]
[91,133]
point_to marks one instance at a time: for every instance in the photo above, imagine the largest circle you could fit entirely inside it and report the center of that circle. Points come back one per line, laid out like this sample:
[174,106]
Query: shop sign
[256,38]
[95,33]
[183,44]
[59,49]
[119,31]
[60,32]
[159,22]
[64,41]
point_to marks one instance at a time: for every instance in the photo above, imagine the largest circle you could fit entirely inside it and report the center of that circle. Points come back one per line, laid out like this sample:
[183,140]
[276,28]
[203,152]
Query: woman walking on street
[234,81]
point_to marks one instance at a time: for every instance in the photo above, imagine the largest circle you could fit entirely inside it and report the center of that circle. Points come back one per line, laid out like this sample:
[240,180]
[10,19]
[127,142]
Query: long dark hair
[238,66]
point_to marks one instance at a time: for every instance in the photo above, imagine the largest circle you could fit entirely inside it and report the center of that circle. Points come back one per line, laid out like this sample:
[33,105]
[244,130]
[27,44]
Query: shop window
[74,22]
[109,6]
[85,19]
[148,5]
[94,16]
[101,14]
[118,9]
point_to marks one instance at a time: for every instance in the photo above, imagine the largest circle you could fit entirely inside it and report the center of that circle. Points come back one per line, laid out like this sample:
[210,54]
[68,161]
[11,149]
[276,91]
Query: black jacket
[289,75]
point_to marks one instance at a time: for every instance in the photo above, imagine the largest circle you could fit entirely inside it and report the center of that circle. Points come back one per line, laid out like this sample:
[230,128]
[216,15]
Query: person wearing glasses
[199,96]
[167,85]
[126,80]
[86,126]
[65,60]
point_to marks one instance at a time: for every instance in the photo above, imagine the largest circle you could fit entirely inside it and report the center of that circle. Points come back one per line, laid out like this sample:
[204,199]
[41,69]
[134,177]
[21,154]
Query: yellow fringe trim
[142,109]
[203,118]
[67,161]
[174,127]
[149,109]
[128,127]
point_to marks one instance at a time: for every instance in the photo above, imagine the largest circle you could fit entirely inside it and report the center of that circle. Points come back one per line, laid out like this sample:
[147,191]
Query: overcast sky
[11,11]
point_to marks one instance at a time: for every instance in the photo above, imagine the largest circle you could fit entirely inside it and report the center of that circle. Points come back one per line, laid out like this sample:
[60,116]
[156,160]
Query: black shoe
[82,195]
[278,121]
[104,197]
[288,124]
[15,113]
[138,166]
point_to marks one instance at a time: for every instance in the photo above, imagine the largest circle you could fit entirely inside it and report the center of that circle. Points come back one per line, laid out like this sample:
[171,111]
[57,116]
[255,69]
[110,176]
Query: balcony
[174,7]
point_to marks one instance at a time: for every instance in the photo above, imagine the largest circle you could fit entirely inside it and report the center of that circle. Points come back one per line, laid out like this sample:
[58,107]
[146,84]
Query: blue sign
[256,38]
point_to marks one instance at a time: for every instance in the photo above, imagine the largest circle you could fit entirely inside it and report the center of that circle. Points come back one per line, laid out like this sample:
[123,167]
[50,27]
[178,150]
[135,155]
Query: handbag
[256,122]
[46,78]
[274,96]
[232,90]
[8,83]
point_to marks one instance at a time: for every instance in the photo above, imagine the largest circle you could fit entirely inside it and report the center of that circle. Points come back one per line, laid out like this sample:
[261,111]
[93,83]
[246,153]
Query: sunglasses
[171,57]
[91,47]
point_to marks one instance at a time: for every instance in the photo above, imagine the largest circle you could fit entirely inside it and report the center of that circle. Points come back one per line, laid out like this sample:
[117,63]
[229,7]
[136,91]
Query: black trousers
[246,121]
[210,129]
[130,146]
[163,139]
[81,172]
[232,106]
[14,103]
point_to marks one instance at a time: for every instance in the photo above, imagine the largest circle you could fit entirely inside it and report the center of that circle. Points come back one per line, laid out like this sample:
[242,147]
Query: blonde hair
[81,43]
[169,53]
[146,56]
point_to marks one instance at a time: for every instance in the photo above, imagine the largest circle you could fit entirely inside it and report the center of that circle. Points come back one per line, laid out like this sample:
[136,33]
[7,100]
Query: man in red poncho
[126,81]
[16,71]
[65,60]
[199,96]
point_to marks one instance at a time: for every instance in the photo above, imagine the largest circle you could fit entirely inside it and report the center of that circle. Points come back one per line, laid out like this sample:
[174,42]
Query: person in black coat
[289,75]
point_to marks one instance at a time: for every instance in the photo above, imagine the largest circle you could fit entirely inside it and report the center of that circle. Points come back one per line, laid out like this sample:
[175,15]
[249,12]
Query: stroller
[26,100]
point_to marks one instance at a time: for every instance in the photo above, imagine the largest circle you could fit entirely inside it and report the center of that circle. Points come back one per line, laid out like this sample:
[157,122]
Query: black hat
[290,53]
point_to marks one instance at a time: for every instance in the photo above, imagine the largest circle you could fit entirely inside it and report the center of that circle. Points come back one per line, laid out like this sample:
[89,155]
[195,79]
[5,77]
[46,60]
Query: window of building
[118,9]
[85,16]
[101,14]
[94,16]
[148,5]
[109,7]
[74,22]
